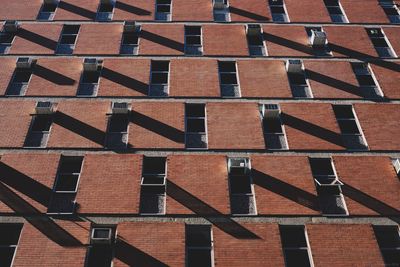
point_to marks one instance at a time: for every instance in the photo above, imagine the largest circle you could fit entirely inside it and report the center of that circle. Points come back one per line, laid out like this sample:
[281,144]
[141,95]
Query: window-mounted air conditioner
[294,66]
[131,26]
[92,64]
[396,164]
[10,26]
[318,38]
[24,62]
[270,111]
[239,166]
[101,236]
[44,107]
[253,29]
[120,107]
[220,4]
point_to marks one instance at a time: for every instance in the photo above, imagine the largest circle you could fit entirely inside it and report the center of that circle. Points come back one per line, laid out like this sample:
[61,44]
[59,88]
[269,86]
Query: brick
[157,39]
[234,126]
[249,11]
[367,11]
[197,184]
[380,124]
[79,124]
[20,10]
[255,75]
[392,34]
[192,10]
[157,125]
[194,78]
[333,79]
[15,121]
[225,40]
[140,242]
[99,39]
[6,73]
[307,11]
[76,10]
[55,77]
[125,77]
[36,39]
[311,126]
[334,245]
[258,244]
[284,185]
[387,79]
[134,10]
[104,179]
[371,185]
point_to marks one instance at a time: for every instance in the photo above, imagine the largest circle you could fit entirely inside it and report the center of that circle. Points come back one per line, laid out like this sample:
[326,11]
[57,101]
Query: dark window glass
[255,40]
[193,40]
[293,236]
[193,30]
[272,125]
[100,256]
[118,123]
[297,79]
[198,236]
[225,66]
[379,42]
[153,165]
[163,2]
[276,2]
[6,38]
[159,78]
[42,123]
[9,233]
[70,29]
[335,10]
[164,8]
[90,77]
[387,236]
[66,182]
[321,166]
[49,8]
[22,76]
[195,125]
[199,258]
[365,80]
[106,8]
[68,39]
[228,78]
[297,258]
[130,38]
[240,185]
[160,65]
[70,164]
[349,127]
[195,110]
[343,112]
[277,10]
[391,11]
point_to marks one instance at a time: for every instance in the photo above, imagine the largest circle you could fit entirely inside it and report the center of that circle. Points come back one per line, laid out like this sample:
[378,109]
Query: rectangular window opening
[163,10]
[274,133]
[195,122]
[193,40]
[199,246]
[278,11]
[67,41]
[159,81]
[295,246]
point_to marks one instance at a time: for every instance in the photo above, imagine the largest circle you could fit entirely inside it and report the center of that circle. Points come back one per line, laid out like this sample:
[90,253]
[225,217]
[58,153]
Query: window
[159,82]
[21,78]
[221,11]
[66,185]
[10,233]
[89,83]
[163,10]
[40,127]
[274,134]
[228,79]
[196,131]
[255,40]
[295,246]
[336,11]
[193,40]
[199,246]
[117,130]
[130,39]
[318,41]
[69,35]
[388,238]
[396,165]
[391,10]
[278,11]
[297,79]
[105,10]
[380,42]
[153,185]
[241,187]
[7,35]
[328,187]
[349,127]
[101,249]
[366,80]
[48,10]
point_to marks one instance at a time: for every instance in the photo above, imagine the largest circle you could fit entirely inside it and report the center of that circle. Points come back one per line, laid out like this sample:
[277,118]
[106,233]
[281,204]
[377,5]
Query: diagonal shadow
[133,256]
[77,10]
[37,39]
[288,43]
[338,84]
[312,129]
[157,127]
[124,80]
[161,40]
[45,225]
[247,14]
[25,184]
[371,202]
[225,223]
[52,76]
[132,9]
[286,190]
[83,129]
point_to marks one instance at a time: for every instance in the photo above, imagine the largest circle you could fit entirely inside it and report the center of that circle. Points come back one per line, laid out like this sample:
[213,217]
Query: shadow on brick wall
[125,81]
[132,9]
[77,10]
[52,76]
[161,40]
[37,39]
[247,14]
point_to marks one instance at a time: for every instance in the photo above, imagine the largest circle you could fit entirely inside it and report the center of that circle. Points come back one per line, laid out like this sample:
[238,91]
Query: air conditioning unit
[10,26]
[120,107]
[24,62]
[101,236]
[92,64]
[271,111]
[131,26]
[396,164]
[294,66]
[44,107]
[318,38]
[239,166]
[253,29]
[220,4]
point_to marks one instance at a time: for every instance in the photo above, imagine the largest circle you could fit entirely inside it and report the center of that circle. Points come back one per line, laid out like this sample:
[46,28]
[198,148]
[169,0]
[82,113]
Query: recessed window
[89,82]
[274,133]
[380,42]
[295,246]
[153,185]
[336,11]
[228,78]
[255,40]
[199,246]
[7,35]
[66,185]
[159,81]
[193,40]
[388,238]
[130,39]
[20,80]
[101,249]
[195,121]
[10,234]
[117,130]
[318,40]
[163,10]
[69,35]
[221,11]
[391,10]
[105,10]
[297,79]
[48,10]
[39,130]
[278,11]
[366,80]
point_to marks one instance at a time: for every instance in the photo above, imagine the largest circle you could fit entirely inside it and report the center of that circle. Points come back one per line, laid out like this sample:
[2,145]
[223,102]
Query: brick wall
[157,39]
[307,11]
[225,40]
